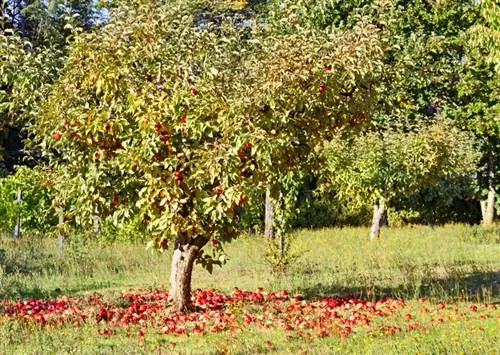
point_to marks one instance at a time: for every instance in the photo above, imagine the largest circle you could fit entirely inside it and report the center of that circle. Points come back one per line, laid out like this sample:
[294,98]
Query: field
[416,290]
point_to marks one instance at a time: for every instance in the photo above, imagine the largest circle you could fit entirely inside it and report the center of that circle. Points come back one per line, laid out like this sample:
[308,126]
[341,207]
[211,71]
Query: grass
[473,337]
[456,264]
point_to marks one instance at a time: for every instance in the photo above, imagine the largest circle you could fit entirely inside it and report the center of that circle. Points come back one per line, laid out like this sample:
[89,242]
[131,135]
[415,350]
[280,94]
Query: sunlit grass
[456,264]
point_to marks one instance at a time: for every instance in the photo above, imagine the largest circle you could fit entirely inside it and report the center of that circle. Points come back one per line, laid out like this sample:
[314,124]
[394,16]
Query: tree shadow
[38,292]
[477,286]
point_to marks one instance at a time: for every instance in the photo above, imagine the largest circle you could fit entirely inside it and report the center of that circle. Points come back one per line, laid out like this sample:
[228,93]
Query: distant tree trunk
[186,250]
[2,16]
[269,215]
[378,212]
[483,204]
[488,206]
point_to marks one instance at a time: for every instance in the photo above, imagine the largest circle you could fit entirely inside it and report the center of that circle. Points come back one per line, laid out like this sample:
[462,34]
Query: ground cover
[417,290]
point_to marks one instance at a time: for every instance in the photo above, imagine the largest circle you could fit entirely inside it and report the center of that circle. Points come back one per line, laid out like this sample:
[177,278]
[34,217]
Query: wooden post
[17,228]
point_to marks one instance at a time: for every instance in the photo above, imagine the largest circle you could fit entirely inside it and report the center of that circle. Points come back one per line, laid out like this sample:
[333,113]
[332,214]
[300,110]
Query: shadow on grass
[23,292]
[477,286]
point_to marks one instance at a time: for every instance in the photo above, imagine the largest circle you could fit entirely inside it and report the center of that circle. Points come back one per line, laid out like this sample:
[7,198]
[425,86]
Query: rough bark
[378,212]
[186,251]
[95,218]
[488,206]
[269,215]
[483,204]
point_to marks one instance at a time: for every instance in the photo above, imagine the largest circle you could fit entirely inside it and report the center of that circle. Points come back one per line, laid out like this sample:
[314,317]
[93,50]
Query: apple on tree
[190,180]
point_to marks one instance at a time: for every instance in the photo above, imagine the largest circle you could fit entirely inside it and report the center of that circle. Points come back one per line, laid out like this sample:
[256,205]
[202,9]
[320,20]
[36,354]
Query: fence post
[17,228]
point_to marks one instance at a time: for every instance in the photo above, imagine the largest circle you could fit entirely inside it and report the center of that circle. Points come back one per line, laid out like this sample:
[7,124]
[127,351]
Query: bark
[378,212]
[186,251]
[269,215]
[488,206]
[483,204]
[17,228]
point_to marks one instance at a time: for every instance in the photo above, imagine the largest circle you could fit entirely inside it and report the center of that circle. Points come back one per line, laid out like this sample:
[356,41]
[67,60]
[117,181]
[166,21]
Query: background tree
[479,93]
[422,45]
[33,38]
[378,167]
[36,215]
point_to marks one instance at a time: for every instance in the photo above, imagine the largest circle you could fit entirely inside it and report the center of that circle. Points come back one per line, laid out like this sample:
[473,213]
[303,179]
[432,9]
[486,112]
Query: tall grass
[451,263]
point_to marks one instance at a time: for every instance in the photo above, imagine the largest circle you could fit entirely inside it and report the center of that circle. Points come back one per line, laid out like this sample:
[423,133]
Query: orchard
[220,134]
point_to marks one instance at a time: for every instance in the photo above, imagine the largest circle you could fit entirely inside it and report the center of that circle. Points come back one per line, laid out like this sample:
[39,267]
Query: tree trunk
[186,251]
[483,204]
[488,206]
[269,215]
[95,218]
[378,212]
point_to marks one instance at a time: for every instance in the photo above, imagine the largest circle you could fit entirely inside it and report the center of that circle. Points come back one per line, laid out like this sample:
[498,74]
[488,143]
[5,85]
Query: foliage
[391,164]
[479,89]
[33,39]
[279,253]
[25,74]
[452,200]
[35,208]
[485,34]
[480,85]
[152,127]
[46,23]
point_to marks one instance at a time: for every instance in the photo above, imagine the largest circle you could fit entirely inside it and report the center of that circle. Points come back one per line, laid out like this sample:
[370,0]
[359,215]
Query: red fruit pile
[142,312]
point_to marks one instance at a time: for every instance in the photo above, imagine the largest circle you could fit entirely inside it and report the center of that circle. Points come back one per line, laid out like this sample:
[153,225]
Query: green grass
[472,337]
[457,264]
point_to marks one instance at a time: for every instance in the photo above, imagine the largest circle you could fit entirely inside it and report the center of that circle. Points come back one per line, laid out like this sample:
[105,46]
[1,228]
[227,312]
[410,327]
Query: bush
[37,216]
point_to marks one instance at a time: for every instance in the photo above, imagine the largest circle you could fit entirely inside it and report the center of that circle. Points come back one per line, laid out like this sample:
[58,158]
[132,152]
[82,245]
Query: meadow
[416,290]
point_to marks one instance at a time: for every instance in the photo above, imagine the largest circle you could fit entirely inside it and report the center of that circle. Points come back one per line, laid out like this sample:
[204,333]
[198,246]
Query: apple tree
[377,167]
[479,97]
[167,115]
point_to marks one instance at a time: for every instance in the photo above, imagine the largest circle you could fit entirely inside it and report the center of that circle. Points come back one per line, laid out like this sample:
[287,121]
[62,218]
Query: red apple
[178,176]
